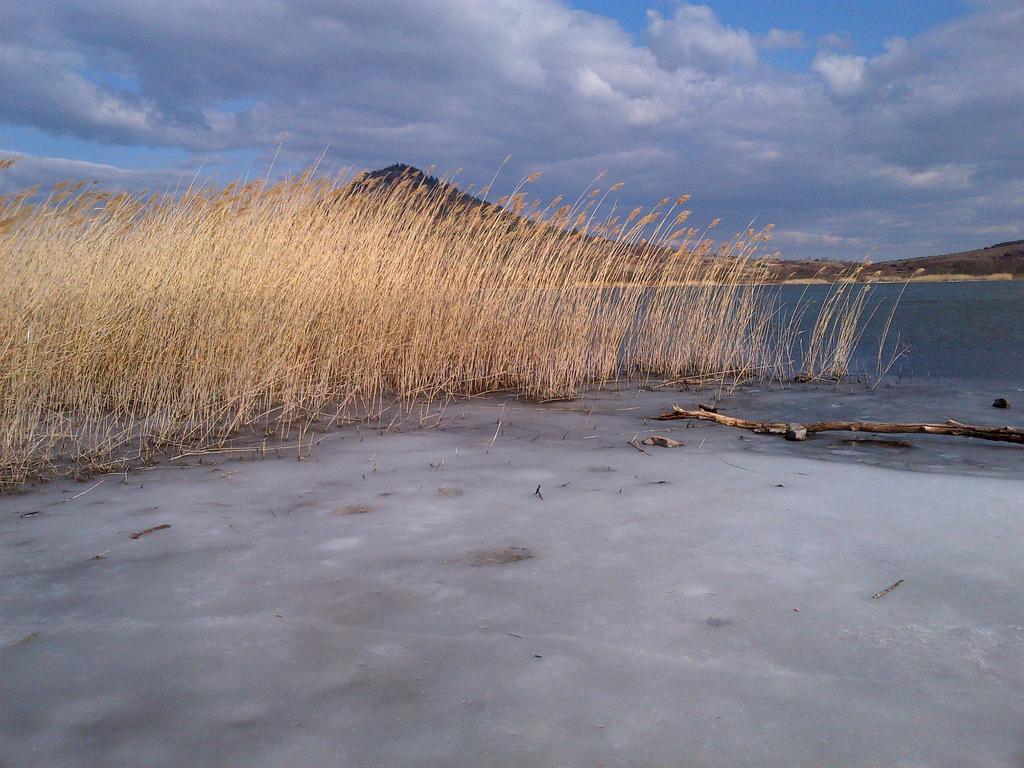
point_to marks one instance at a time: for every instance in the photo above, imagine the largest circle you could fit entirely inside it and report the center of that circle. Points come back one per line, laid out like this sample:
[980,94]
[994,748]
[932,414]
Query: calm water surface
[954,331]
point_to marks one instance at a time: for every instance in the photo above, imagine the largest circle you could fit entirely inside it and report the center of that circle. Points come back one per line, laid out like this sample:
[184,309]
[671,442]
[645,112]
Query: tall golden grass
[136,326]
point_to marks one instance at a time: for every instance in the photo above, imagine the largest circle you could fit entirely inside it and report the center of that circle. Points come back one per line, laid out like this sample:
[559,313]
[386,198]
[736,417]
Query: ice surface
[703,605]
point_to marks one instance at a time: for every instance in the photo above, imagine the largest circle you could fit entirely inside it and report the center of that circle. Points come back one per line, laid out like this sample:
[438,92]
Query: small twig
[155,528]
[745,469]
[636,444]
[886,591]
[496,431]
[101,482]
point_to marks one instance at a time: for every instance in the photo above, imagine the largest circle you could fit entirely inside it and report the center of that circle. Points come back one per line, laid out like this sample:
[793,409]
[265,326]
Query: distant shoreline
[1000,277]
[1003,261]
[888,279]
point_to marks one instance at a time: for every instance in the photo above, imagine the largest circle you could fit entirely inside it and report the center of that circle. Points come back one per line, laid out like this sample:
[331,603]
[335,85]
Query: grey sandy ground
[366,608]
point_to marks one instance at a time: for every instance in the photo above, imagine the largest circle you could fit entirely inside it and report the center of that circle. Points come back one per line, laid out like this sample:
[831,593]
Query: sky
[862,129]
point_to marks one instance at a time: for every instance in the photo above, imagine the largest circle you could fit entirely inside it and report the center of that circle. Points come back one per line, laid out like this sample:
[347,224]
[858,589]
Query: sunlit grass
[134,327]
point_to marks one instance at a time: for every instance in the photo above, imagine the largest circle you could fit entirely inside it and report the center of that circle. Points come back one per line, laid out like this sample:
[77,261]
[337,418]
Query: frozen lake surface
[412,599]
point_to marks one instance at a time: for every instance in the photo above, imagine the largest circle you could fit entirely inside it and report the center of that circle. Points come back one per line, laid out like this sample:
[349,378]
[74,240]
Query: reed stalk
[135,326]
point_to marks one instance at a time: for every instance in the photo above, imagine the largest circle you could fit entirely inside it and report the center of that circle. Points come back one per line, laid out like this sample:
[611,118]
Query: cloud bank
[909,151]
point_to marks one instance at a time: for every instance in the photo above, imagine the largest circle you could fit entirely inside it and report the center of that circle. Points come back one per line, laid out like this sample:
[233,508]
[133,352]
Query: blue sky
[878,129]
[868,22]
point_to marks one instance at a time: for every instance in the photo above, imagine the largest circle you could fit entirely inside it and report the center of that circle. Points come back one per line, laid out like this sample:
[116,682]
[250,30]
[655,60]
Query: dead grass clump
[132,326]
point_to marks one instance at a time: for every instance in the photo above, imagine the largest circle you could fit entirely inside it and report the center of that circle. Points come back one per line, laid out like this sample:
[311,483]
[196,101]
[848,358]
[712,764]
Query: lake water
[971,332]
[966,348]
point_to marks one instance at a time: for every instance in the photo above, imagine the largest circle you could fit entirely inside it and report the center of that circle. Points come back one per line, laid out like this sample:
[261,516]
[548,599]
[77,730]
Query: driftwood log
[799,431]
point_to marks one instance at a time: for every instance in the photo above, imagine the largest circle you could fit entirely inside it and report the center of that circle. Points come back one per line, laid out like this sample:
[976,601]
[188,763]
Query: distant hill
[999,261]
[394,174]
[1002,258]
[386,179]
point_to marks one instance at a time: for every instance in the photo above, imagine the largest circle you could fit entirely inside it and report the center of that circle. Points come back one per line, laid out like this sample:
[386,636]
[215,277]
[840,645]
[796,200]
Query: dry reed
[139,326]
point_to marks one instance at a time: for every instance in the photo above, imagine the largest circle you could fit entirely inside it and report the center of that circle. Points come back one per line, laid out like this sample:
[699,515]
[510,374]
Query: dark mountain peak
[401,172]
[446,195]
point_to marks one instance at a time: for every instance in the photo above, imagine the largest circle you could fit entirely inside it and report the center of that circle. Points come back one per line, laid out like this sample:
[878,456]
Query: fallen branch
[155,528]
[886,591]
[794,431]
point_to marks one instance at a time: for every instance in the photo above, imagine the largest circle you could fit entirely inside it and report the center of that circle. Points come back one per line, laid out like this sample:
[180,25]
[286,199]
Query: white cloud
[29,170]
[694,37]
[916,144]
[844,74]
[951,178]
[836,41]
[847,74]
[816,239]
[36,83]
[897,52]
[637,111]
[780,39]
